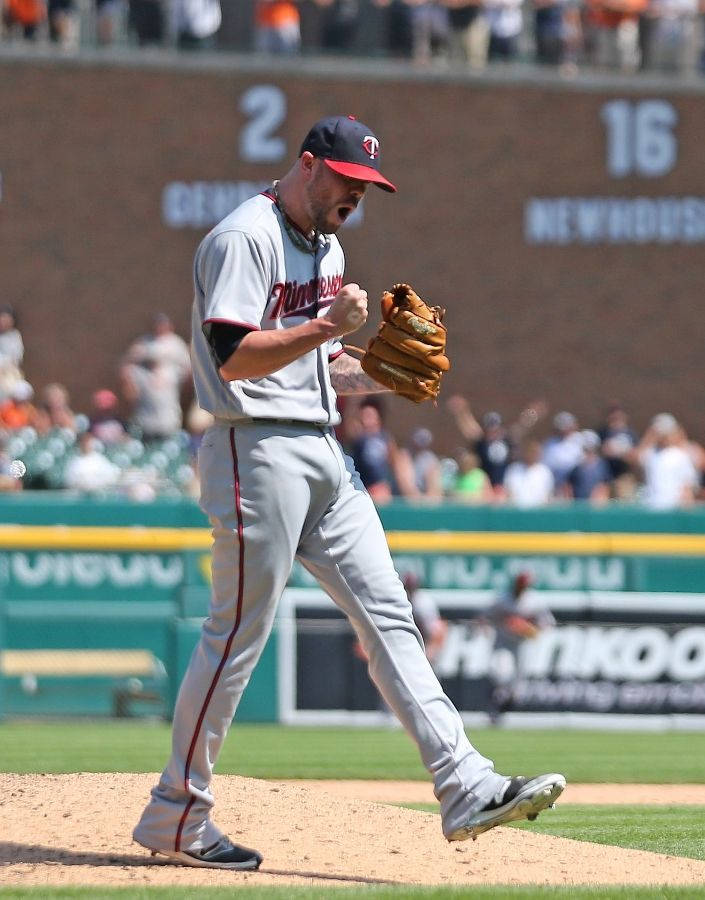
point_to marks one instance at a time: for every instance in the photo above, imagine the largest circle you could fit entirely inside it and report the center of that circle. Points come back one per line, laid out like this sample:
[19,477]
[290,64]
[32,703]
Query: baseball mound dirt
[75,829]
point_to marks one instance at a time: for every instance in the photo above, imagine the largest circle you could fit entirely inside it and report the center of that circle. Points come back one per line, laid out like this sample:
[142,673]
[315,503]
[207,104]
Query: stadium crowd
[142,441]
[627,35]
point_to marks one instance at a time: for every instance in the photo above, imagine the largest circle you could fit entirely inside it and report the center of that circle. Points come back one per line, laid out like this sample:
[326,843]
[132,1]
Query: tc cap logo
[371,145]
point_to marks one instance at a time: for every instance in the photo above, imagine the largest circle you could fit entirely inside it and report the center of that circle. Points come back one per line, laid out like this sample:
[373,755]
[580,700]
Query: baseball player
[270,310]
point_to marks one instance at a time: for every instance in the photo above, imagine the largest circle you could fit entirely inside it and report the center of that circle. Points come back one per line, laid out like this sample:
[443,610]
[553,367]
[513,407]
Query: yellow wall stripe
[164,540]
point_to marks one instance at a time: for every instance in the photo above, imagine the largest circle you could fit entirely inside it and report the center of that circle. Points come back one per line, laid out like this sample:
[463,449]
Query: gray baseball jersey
[248,273]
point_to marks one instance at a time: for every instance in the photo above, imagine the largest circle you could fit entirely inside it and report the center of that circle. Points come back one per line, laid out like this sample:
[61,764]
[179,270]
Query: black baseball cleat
[518,798]
[221,855]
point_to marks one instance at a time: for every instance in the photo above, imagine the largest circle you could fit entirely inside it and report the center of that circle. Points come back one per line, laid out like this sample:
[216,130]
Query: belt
[263,420]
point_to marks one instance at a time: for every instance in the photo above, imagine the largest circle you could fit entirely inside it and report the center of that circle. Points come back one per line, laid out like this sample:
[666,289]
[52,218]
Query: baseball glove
[407,354]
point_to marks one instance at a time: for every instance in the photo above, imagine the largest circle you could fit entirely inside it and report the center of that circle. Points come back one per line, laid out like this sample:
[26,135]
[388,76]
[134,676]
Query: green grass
[368,893]
[673,830]
[273,751]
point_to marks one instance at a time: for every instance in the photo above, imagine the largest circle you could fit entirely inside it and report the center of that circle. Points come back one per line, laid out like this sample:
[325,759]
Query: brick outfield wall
[87,151]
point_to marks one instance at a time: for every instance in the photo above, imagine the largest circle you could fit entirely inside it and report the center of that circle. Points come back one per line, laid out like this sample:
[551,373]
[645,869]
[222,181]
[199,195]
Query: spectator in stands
[11,350]
[549,31]
[196,23]
[17,411]
[670,36]
[492,441]
[26,15]
[146,21]
[54,398]
[612,33]
[423,466]
[430,30]
[563,450]
[105,422]
[618,440]
[107,17]
[471,484]
[340,21]
[469,32]
[89,471]
[504,18]
[591,477]
[374,451]
[670,478]
[64,23]
[529,482]
[277,27]
[164,346]
[151,389]
[397,27]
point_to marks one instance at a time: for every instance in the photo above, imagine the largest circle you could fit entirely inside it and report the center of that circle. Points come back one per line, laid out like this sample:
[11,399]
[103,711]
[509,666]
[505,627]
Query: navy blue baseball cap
[347,147]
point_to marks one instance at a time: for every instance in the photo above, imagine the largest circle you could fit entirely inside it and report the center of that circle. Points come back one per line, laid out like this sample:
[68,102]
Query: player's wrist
[327,328]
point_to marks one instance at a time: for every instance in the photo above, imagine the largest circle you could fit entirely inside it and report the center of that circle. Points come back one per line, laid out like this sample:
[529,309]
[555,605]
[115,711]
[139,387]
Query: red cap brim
[361,173]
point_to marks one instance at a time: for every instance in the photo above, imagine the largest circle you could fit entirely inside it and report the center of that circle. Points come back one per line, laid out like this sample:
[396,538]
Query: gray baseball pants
[275,492]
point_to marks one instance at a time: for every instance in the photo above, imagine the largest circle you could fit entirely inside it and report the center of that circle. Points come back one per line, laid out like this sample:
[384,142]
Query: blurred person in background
[11,350]
[517,615]
[430,30]
[340,21]
[164,346]
[151,391]
[26,15]
[612,33]
[493,442]
[64,23]
[670,36]
[471,484]
[397,38]
[104,421]
[529,482]
[146,20]
[618,442]
[670,477]
[89,471]
[277,27]
[469,32]
[108,14]
[591,477]
[374,451]
[195,23]
[550,31]
[504,18]
[424,480]
[563,450]
[17,411]
[54,398]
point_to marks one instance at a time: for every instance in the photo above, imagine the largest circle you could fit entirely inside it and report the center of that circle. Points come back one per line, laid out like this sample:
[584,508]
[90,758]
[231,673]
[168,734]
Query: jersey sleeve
[335,349]
[233,278]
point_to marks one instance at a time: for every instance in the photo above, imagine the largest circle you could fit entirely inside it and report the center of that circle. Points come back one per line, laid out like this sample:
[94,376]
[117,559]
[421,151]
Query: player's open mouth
[344,212]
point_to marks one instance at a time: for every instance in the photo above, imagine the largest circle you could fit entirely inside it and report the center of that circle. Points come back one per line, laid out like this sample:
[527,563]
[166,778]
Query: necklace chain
[297,238]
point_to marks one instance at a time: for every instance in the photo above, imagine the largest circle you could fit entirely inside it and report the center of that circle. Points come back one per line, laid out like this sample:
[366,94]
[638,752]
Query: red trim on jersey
[228,644]
[332,356]
[268,196]
[232,322]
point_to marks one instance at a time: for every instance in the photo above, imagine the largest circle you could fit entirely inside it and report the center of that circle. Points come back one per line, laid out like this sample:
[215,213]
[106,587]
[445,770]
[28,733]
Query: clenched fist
[348,311]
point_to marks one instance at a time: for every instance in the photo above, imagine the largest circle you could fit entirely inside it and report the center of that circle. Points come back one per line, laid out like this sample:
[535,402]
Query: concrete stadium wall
[112,173]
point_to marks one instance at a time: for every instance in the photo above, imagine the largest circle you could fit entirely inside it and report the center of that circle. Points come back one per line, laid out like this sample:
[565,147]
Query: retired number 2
[265,106]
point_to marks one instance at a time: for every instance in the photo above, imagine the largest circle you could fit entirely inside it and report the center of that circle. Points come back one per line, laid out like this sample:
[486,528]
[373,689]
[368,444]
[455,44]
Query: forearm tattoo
[347,377]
